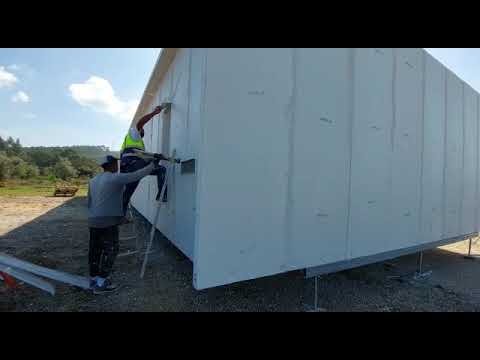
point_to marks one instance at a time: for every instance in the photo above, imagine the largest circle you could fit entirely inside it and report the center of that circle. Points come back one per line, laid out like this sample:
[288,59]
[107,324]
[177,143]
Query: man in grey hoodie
[105,213]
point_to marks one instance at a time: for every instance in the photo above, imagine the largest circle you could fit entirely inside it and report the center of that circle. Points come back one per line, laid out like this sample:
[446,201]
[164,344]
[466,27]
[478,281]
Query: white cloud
[6,78]
[20,96]
[97,94]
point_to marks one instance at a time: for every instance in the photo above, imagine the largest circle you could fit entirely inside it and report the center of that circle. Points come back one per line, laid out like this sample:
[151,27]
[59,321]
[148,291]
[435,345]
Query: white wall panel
[183,184]
[180,103]
[477,202]
[407,141]
[321,156]
[244,165]
[196,89]
[166,218]
[470,161]
[454,156]
[433,151]
[370,213]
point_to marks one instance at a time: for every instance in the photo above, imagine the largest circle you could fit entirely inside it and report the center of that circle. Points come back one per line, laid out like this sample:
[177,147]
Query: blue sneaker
[93,282]
[105,288]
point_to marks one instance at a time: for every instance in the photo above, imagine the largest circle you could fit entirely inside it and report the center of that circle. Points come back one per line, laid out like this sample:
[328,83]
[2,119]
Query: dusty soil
[53,232]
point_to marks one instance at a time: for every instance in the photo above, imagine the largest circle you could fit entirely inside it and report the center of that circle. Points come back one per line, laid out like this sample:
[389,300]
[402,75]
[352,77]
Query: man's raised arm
[145,119]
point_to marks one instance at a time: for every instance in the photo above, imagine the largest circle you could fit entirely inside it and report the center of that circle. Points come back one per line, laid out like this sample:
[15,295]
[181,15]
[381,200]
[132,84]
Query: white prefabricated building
[319,158]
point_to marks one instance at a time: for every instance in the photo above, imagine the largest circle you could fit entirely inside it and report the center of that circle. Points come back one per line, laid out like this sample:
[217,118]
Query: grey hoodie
[105,196]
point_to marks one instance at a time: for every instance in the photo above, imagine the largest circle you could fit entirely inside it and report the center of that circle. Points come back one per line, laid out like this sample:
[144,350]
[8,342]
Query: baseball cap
[107,159]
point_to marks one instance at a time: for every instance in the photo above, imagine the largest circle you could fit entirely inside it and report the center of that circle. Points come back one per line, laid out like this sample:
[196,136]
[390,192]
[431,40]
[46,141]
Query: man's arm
[126,178]
[145,119]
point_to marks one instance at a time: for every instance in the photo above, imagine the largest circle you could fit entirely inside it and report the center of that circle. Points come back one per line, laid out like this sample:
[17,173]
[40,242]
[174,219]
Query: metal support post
[420,274]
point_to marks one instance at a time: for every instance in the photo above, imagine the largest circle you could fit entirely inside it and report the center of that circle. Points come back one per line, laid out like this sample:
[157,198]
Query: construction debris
[26,278]
[26,272]
[9,280]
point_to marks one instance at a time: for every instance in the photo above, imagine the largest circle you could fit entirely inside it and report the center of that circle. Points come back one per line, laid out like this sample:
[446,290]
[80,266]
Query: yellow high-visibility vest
[129,143]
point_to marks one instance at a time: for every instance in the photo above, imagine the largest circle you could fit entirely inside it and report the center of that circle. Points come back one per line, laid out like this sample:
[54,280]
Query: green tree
[32,171]
[64,170]
[5,166]
[47,171]
[84,166]
[19,168]
[28,162]
[14,148]
[42,158]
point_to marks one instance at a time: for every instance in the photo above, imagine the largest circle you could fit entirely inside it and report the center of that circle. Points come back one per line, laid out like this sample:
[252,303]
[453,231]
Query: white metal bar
[28,278]
[61,276]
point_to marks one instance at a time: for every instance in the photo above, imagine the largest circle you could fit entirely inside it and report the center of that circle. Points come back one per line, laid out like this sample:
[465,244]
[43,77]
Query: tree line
[18,162]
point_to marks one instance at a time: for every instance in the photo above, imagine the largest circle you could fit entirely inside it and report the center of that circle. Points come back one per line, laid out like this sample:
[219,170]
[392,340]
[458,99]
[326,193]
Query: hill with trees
[88,151]
[18,162]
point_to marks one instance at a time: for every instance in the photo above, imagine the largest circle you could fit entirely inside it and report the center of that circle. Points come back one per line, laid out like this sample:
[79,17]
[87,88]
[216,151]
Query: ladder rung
[134,252]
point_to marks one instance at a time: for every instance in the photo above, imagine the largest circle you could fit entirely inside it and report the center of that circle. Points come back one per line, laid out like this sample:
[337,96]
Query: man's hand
[141,123]
[158,109]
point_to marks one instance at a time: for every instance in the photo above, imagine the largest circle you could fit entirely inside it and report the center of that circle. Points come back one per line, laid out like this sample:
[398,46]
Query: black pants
[130,164]
[103,250]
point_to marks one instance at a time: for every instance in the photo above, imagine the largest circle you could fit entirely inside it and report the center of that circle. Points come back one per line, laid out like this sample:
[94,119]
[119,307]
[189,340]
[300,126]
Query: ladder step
[128,253]
[127,238]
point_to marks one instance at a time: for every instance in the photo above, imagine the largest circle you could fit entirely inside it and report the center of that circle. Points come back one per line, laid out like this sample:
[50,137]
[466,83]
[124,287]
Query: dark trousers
[103,250]
[130,164]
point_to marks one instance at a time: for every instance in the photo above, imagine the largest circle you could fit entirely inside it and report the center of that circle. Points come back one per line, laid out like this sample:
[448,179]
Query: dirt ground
[53,232]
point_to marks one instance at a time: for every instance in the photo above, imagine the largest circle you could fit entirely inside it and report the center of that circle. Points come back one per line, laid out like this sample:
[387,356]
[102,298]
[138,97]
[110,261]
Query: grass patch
[37,187]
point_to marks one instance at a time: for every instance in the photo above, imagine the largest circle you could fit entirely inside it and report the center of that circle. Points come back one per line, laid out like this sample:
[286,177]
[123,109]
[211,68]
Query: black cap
[107,159]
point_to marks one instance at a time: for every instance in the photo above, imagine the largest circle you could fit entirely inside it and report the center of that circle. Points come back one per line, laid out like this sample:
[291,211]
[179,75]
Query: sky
[465,62]
[55,97]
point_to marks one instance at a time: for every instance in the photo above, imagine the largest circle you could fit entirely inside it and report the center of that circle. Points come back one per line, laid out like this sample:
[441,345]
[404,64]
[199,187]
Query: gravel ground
[53,232]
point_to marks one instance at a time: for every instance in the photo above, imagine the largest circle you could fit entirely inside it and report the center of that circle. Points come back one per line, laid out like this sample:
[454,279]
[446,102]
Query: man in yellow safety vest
[130,163]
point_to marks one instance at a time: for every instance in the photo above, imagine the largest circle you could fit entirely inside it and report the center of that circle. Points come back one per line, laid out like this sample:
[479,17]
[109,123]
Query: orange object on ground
[9,281]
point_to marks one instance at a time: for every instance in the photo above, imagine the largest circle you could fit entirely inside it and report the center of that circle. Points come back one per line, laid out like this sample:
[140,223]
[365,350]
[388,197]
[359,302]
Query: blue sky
[71,96]
[87,96]
[465,62]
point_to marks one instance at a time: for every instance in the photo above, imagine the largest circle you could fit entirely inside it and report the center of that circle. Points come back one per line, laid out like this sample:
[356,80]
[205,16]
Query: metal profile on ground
[75,280]
[28,278]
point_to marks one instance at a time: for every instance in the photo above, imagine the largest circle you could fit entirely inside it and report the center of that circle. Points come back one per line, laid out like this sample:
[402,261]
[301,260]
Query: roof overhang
[161,67]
